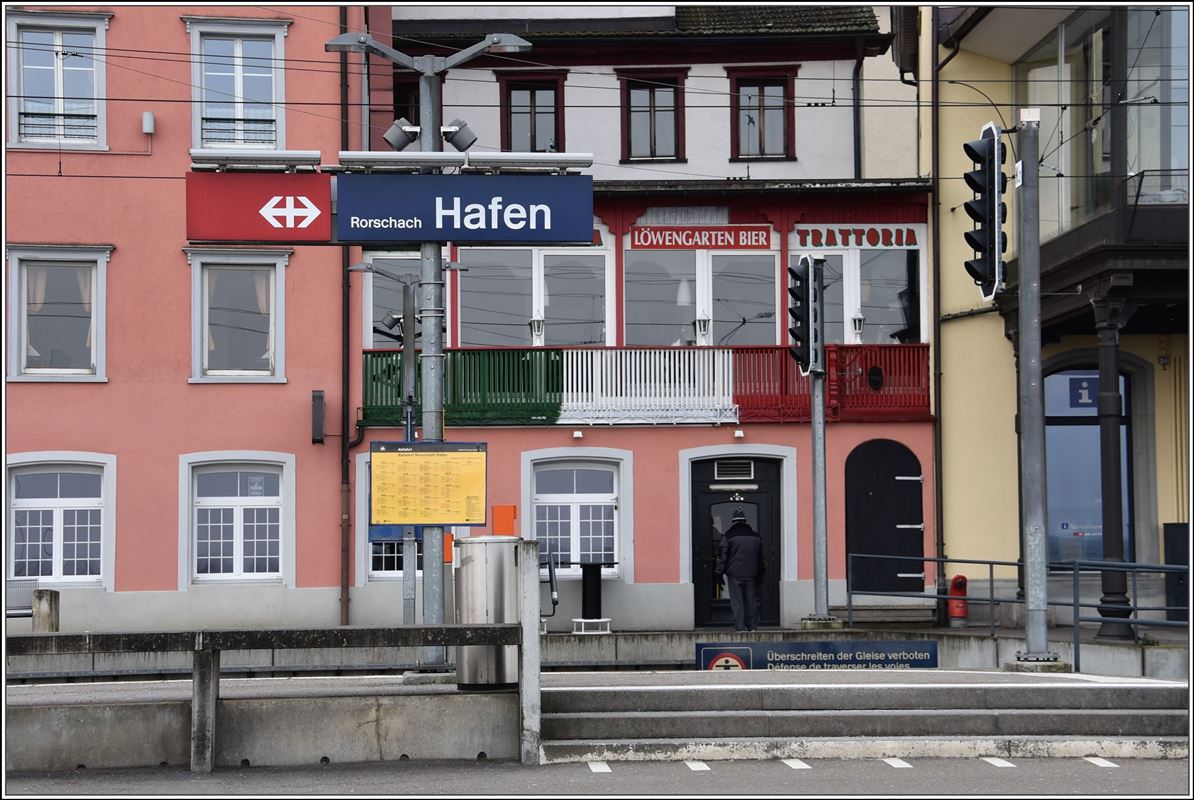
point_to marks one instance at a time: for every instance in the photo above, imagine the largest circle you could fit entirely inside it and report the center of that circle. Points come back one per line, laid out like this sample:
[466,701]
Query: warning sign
[724,657]
[433,483]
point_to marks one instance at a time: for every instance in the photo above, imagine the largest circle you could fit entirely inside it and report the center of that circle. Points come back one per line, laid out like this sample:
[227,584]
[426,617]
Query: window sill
[238,379]
[51,378]
[653,161]
[762,158]
[34,147]
[47,582]
[238,580]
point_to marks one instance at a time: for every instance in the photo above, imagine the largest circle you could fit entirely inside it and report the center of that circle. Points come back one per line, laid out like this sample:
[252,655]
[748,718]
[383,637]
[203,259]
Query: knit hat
[739,515]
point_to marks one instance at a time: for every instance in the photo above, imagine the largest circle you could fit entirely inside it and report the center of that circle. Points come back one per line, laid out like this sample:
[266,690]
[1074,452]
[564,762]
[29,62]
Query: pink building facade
[162,470]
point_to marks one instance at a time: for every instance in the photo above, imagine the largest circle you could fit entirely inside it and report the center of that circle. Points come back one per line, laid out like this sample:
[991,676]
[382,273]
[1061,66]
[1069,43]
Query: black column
[1109,318]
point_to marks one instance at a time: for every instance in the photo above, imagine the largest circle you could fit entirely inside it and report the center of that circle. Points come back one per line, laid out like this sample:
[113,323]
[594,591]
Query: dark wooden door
[884,517]
[717,489]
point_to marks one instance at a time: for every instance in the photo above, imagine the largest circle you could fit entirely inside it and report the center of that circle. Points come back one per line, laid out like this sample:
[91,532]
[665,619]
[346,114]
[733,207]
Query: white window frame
[200,260]
[189,465]
[68,461]
[95,23]
[20,256]
[852,278]
[199,27]
[621,462]
[538,282]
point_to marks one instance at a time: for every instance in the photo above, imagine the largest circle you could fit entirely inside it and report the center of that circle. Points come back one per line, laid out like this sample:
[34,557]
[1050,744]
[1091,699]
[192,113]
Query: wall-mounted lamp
[578,434]
[739,433]
[858,320]
[536,327]
[702,326]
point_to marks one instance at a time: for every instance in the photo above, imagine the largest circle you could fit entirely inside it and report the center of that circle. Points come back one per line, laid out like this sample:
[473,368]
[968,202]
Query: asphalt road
[913,777]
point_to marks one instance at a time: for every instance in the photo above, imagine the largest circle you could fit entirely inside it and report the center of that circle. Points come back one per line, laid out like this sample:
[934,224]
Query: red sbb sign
[257,207]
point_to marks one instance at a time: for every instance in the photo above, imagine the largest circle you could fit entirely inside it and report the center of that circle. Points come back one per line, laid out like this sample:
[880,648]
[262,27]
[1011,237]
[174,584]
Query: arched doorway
[885,517]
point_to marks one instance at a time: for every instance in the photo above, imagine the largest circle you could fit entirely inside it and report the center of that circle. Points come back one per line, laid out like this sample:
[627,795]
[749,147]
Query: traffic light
[804,312]
[987,209]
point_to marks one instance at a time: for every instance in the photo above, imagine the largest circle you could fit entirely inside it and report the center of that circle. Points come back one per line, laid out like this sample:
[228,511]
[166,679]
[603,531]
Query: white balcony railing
[648,386]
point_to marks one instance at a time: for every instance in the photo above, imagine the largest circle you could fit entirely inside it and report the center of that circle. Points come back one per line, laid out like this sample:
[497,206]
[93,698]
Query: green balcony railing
[634,386]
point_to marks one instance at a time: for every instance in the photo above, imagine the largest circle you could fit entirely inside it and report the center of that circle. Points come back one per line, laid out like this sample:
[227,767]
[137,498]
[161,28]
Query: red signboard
[700,237]
[259,207]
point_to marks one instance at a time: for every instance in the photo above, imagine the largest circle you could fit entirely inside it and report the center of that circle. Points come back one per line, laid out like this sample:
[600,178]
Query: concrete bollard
[45,611]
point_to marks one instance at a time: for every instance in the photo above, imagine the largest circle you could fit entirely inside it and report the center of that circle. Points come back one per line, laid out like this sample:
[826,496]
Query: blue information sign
[378,207]
[1084,391]
[847,654]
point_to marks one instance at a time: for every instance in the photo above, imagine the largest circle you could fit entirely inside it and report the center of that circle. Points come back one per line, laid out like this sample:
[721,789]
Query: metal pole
[820,557]
[1032,412]
[432,360]
[410,546]
[530,731]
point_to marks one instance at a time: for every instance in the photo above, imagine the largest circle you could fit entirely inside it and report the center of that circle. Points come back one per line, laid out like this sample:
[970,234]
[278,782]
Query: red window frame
[626,77]
[747,75]
[511,80]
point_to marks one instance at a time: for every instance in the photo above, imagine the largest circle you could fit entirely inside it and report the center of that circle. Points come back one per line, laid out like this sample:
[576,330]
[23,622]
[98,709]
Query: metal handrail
[1075,566]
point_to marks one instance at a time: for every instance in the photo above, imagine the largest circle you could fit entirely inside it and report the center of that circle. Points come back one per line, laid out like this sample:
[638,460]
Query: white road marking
[796,763]
[1099,762]
[599,766]
[697,766]
[898,763]
[998,762]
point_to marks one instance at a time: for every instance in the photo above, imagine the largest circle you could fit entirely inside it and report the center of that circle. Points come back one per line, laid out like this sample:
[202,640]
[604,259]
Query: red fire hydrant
[958,609]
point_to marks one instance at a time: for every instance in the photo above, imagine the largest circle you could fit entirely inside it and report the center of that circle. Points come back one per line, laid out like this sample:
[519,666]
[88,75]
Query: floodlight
[401,134]
[459,135]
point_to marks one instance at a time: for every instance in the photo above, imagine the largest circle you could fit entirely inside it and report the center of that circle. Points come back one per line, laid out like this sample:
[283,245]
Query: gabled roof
[775,19]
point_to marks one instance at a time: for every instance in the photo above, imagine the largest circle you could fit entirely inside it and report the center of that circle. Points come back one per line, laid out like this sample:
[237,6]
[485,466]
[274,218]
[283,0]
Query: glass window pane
[387,294]
[58,306]
[1074,487]
[835,332]
[743,300]
[773,132]
[553,529]
[79,484]
[640,97]
[545,132]
[665,133]
[216,484]
[660,297]
[495,298]
[520,132]
[31,485]
[258,484]
[640,134]
[574,300]
[889,286]
[554,481]
[594,481]
[239,303]
[1075,393]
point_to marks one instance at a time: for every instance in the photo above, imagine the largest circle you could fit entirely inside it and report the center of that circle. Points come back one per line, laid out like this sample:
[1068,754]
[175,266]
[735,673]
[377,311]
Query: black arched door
[884,517]
[718,487]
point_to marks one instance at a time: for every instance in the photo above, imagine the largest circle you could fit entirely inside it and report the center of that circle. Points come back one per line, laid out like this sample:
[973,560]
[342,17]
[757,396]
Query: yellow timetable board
[433,483]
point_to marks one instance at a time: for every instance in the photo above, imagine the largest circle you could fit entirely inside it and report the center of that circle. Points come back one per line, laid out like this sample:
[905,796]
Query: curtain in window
[261,284]
[35,282]
[84,278]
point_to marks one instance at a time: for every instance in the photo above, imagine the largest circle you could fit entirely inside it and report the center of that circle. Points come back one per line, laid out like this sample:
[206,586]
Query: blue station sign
[464,208]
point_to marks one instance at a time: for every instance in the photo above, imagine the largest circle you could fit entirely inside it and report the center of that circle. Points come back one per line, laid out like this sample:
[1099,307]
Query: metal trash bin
[487,592]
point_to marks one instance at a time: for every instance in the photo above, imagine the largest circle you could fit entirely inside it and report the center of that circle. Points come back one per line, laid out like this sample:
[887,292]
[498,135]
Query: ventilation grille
[734,470]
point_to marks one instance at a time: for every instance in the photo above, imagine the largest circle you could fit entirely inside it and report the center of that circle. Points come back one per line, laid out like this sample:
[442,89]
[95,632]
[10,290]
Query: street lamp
[431,273]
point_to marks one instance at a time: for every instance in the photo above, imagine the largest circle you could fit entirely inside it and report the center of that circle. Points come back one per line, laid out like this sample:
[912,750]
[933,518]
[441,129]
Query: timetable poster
[432,483]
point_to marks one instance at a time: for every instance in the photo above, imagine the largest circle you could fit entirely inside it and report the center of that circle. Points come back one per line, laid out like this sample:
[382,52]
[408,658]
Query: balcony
[652,386]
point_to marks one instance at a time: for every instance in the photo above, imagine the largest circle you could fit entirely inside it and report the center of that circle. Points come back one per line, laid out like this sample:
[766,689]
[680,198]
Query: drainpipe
[858,56]
[345,489]
[938,493]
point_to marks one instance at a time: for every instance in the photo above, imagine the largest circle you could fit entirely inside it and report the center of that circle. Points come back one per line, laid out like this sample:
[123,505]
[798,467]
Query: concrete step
[764,747]
[895,615]
[872,722]
[786,697]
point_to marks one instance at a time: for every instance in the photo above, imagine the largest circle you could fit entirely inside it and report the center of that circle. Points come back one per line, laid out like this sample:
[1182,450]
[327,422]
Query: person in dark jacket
[741,560]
